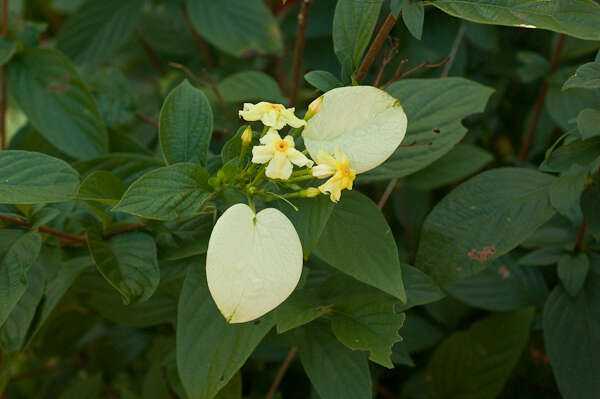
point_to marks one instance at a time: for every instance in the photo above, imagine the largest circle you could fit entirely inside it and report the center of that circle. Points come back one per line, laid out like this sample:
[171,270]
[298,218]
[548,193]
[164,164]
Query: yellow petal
[279,167]
[253,262]
[262,154]
[298,158]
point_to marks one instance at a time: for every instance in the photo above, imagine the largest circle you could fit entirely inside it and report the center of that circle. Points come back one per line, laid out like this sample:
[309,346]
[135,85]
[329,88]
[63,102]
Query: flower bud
[310,192]
[313,108]
[247,136]
[322,171]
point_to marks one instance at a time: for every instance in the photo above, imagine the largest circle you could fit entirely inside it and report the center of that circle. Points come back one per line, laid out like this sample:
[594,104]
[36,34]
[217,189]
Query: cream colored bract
[253,262]
[364,122]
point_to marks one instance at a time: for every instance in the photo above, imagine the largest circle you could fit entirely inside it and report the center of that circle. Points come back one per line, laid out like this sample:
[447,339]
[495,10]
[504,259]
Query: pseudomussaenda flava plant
[254,258]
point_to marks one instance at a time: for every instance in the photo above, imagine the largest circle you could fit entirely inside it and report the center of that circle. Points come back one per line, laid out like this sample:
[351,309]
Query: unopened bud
[322,171]
[310,192]
[247,135]
[314,108]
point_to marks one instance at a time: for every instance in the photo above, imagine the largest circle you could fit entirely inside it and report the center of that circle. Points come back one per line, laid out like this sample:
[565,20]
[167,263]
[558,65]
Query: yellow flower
[280,154]
[275,116]
[338,166]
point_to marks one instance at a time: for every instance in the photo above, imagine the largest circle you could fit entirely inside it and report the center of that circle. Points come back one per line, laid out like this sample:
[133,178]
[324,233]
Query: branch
[386,60]
[455,45]
[3,94]
[66,236]
[424,65]
[539,103]
[580,236]
[208,58]
[282,370]
[149,120]
[299,48]
[383,33]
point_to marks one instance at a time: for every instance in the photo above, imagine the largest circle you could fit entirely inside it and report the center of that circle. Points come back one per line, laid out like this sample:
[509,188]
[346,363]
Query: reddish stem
[282,370]
[299,48]
[3,99]
[375,48]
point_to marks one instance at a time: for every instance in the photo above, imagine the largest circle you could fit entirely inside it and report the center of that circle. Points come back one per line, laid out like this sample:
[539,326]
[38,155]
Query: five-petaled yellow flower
[338,166]
[275,116]
[280,154]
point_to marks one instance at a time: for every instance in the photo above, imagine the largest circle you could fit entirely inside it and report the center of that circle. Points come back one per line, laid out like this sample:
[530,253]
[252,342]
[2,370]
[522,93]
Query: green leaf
[233,390]
[250,86]
[542,257]
[98,29]
[128,262]
[571,326]
[572,271]
[503,286]
[565,190]
[57,102]
[127,167]
[356,222]
[101,186]
[31,177]
[334,371]
[482,219]
[155,385]
[238,27]
[588,123]
[477,363]
[178,240]
[589,206]
[564,106]
[420,333]
[302,307]
[88,388]
[434,108]
[587,76]
[232,148]
[534,66]
[18,251]
[14,331]
[115,97]
[420,288]
[461,162]
[210,351]
[579,18]
[7,50]
[353,25]
[309,220]
[368,323]
[167,193]
[323,80]
[577,152]
[413,15]
[185,125]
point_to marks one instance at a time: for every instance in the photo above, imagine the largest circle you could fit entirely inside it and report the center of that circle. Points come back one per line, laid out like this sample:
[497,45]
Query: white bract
[254,262]
[363,122]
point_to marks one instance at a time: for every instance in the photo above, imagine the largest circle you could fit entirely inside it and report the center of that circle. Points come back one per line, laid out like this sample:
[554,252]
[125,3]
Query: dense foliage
[466,264]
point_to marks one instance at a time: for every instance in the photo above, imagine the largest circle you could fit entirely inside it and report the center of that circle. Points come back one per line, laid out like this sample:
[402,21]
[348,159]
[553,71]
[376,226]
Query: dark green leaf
[356,222]
[353,26]
[589,206]
[323,80]
[334,370]
[534,66]
[564,106]
[18,251]
[579,18]
[232,148]
[178,240]
[128,262]
[302,307]
[88,388]
[461,162]
[503,286]
[114,95]
[167,193]
[542,257]
[577,152]
[7,50]
[588,123]
[572,271]
[477,363]
[127,167]
[368,323]
[31,177]
[57,102]
[420,288]
[565,190]
[586,77]
[413,15]
[571,328]
[419,333]
[238,27]
[434,108]
[185,125]
[98,29]
[103,187]
[482,219]
[210,351]
[250,86]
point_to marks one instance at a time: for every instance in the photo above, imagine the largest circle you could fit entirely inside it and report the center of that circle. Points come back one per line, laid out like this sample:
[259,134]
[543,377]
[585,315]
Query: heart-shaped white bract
[364,122]
[254,262]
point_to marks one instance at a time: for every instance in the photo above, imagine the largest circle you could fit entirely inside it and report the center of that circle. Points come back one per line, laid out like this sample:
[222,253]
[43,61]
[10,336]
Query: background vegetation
[492,200]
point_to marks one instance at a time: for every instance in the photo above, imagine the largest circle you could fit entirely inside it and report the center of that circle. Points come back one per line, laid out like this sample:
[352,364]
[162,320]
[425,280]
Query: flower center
[282,146]
[345,170]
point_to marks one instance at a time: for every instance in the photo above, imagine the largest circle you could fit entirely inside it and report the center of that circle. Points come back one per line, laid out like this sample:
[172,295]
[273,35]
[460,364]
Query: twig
[388,191]
[539,103]
[282,370]
[66,236]
[385,393]
[453,50]
[580,236]
[149,120]
[424,65]
[299,48]
[3,93]
[208,58]
[386,60]
[383,33]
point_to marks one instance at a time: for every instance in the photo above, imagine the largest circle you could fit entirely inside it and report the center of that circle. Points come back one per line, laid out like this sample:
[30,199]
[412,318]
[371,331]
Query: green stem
[265,130]
[242,156]
[300,178]
[251,203]
[302,172]
[259,176]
